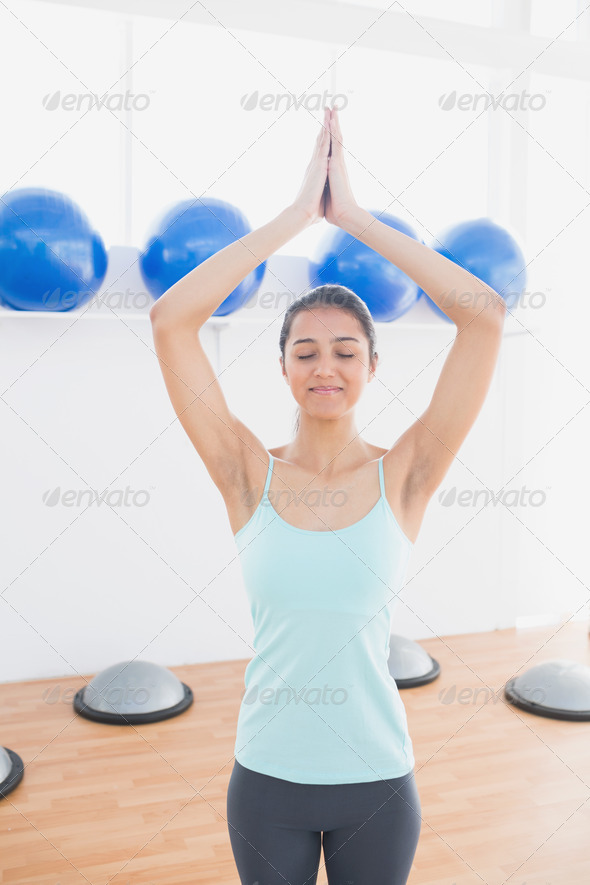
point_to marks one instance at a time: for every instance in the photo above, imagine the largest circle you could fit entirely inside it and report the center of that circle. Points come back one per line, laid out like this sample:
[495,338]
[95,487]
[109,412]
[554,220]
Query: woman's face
[327,377]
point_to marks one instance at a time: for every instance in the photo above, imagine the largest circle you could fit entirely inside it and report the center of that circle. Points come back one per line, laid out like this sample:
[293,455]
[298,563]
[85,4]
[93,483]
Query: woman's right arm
[190,302]
[234,456]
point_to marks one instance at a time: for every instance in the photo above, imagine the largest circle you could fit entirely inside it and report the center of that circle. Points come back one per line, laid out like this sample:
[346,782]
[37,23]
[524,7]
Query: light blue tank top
[320,706]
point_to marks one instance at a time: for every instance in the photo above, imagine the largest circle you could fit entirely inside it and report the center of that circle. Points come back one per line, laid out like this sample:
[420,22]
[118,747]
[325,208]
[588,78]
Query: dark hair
[330,295]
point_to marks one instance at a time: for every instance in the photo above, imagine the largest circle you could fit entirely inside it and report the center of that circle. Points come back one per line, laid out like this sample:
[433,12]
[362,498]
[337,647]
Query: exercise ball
[409,664]
[50,257]
[557,689]
[133,692]
[344,260]
[187,235]
[488,251]
[11,770]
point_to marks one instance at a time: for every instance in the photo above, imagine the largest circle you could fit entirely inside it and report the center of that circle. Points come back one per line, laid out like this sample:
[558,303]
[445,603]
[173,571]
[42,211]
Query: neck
[328,446]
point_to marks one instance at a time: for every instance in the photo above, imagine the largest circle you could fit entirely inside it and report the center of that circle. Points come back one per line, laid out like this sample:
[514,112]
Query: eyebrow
[332,340]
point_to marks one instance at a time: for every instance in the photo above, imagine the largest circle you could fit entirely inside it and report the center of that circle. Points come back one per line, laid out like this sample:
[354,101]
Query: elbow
[493,303]
[490,315]
[163,306]
[495,307]
[154,308]
[155,311]
[500,309]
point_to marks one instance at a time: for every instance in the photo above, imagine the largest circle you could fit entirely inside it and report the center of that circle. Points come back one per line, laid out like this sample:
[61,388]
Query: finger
[329,127]
[323,135]
[327,123]
[327,130]
[322,130]
[336,133]
[333,134]
[324,142]
[336,123]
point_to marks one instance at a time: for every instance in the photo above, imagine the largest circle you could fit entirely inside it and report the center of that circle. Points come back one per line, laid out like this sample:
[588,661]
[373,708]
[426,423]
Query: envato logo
[115,696]
[271,300]
[62,300]
[514,101]
[313,101]
[127,300]
[456,695]
[522,497]
[315,695]
[525,299]
[312,497]
[282,300]
[114,101]
[517,298]
[59,299]
[86,497]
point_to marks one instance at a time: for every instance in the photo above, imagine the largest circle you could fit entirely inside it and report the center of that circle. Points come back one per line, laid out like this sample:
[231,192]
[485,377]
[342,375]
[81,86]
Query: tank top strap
[381,480]
[268,475]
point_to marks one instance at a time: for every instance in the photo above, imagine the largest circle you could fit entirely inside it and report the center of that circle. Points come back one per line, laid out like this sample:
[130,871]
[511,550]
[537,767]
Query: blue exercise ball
[187,235]
[50,257]
[488,251]
[385,289]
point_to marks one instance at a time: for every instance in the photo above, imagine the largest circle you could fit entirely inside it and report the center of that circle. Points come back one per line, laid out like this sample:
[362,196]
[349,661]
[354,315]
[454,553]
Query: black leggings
[369,831]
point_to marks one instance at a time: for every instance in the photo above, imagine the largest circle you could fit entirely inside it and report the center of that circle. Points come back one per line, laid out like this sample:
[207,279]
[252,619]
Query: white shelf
[219,322]
[65,314]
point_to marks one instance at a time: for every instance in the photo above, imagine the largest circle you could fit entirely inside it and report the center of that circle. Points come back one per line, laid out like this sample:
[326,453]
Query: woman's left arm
[426,450]
[457,292]
[429,445]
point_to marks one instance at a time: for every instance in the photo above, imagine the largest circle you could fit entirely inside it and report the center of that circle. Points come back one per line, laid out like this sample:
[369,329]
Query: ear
[283,369]
[373,367]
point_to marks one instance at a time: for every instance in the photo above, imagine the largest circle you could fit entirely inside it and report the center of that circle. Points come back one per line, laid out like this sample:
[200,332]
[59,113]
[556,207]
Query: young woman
[323,754]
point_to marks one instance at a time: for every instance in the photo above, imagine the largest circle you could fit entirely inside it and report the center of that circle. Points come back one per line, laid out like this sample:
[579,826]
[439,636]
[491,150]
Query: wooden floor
[505,794]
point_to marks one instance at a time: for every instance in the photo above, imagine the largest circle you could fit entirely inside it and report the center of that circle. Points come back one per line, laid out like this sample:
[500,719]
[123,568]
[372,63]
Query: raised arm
[426,450]
[227,447]
[194,298]
[430,444]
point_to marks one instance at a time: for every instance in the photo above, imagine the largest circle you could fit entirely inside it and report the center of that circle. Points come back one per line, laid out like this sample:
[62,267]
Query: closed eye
[344,355]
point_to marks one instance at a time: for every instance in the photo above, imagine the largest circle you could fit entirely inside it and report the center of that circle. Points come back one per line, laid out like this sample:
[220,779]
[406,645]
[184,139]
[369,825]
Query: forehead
[325,322]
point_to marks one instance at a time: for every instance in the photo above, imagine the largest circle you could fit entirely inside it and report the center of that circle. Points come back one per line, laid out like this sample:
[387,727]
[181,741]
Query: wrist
[355,220]
[298,216]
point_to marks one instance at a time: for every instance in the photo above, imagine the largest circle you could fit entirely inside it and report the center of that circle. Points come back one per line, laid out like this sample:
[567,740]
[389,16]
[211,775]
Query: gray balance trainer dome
[557,689]
[11,770]
[409,664]
[133,692]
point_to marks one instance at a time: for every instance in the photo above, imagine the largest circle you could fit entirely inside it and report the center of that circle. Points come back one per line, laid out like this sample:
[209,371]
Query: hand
[311,195]
[339,201]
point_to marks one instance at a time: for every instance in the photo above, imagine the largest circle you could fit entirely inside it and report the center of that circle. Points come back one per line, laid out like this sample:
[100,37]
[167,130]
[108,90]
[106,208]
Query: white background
[83,403]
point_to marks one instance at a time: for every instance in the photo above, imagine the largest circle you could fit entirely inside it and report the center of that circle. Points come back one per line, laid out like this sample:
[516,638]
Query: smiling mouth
[325,390]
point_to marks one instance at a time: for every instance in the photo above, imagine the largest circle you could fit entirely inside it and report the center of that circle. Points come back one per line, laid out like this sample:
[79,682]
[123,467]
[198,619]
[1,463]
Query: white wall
[90,584]
[83,402]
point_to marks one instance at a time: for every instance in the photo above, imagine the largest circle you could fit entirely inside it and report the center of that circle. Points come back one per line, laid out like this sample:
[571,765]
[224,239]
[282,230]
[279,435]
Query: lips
[325,391]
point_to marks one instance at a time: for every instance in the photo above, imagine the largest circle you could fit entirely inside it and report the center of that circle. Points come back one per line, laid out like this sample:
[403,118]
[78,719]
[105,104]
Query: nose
[324,367]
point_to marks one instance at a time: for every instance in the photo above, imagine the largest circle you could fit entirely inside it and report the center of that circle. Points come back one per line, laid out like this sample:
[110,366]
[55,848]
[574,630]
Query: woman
[323,754]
